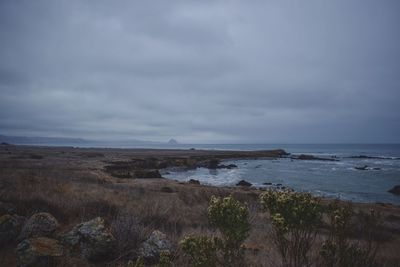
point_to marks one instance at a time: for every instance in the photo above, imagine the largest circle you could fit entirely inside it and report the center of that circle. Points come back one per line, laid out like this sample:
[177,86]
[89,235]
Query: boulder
[10,227]
[194,181]
[40,224]
[156,244]
[7,208]
[395,190]
[39,251]
[93,239]
[243,183]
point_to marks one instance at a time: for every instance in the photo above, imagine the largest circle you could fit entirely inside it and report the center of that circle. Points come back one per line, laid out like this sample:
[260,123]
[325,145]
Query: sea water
[338,179]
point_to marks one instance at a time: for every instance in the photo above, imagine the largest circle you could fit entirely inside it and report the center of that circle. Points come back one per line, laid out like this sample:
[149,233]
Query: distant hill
[80,142]
[172,141]
[38,140]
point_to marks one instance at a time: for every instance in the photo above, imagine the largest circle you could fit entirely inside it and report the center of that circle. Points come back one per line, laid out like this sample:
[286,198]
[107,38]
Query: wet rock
[7,208]
[92,239]
[230,166]
[41,224]
[154,246]
[40,251]
[395,190]
[362,168]
[10,227]
[194,181]
[243,183]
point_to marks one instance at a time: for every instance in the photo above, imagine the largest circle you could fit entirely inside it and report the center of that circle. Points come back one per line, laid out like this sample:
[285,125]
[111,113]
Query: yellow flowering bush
[231,218]
[295,218]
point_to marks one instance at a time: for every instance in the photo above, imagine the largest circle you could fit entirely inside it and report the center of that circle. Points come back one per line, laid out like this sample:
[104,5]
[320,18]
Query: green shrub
[339,250]
[295,218]
[232,220]
[165,259]
[202,250]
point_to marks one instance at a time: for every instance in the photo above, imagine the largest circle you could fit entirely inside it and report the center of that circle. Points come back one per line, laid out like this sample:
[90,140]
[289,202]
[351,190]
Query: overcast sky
[202,71]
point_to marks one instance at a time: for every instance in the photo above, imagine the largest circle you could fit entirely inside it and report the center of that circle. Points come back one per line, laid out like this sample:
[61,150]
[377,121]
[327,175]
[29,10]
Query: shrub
[295,218]
[202,250]
[232,220]
[165,259]
[339,250]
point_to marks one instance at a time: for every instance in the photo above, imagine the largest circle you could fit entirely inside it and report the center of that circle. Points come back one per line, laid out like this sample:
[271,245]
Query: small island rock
[243,183]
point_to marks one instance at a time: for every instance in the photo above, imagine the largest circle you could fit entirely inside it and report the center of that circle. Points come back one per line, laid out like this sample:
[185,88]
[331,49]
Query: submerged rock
[152,248]
[39,224]
[362,168]
[40,251]
[243,183]
[10,227]
[395,190]
[93,239]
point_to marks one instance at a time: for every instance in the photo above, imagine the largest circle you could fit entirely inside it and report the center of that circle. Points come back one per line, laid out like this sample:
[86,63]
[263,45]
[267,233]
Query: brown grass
[71,185]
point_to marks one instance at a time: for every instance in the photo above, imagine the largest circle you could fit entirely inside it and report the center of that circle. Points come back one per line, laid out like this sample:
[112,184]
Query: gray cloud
[201,71]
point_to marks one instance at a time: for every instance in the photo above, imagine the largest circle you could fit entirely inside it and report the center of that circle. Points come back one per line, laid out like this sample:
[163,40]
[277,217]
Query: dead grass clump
[129,233]
[98,208]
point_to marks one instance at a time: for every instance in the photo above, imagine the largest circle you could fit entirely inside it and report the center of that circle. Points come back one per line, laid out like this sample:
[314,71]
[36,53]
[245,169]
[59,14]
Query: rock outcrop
[39,251]
[194,181]
[93,239]
[40,224]
[395,190]
[154,246]
[243,183]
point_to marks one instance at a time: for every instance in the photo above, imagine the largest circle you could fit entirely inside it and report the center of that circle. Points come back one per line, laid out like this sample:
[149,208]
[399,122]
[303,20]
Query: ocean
[337,179]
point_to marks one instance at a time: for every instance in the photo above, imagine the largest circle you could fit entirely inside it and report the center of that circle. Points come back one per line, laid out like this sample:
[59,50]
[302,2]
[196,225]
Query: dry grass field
[73,186]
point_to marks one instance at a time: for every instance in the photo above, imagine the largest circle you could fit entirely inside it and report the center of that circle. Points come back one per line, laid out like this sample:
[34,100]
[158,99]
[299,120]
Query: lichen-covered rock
[10,227]
[7,208]
[154,246]
[92,239]
[41,224]
[39,251]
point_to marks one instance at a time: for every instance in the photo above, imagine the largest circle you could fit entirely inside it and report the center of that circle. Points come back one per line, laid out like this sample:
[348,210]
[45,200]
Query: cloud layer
[201,71]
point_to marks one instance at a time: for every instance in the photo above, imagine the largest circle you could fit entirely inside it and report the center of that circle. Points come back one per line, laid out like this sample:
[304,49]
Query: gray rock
[39,251]
[10,227]
[92,239]
[243,183]
[395,190]
[154,246]
[7,208]
[41,224]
